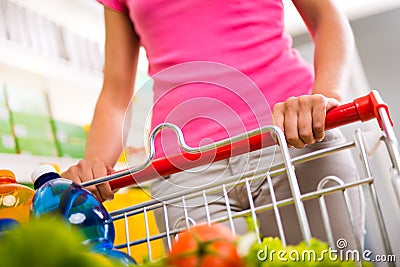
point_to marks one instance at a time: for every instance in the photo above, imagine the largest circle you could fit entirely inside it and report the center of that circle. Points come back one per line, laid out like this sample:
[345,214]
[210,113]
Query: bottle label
[9,201]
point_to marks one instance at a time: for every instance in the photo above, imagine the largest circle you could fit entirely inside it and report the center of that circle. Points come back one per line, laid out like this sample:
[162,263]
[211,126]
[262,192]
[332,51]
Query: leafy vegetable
[48,242]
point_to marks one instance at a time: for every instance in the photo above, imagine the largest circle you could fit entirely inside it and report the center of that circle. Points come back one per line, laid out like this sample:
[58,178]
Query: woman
[217,67]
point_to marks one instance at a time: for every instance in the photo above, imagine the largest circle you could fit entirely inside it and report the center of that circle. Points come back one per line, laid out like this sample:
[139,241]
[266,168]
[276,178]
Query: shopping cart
[362,109]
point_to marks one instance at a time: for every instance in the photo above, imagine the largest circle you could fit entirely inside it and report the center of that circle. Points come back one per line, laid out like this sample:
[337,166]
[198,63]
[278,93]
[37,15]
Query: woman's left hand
[302,119]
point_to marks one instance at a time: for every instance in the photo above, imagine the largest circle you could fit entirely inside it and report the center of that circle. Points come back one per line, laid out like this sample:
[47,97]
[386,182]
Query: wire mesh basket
[362,109]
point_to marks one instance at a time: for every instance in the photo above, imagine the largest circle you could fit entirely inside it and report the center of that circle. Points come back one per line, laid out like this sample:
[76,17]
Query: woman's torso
[218,66]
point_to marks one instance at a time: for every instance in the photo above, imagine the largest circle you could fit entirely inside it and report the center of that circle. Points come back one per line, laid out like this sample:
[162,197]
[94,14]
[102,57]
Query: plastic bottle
[79,207]
[15,201]
[116,255]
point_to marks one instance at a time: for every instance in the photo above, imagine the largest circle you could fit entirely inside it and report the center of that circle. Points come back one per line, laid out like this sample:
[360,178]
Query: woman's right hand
[88,170]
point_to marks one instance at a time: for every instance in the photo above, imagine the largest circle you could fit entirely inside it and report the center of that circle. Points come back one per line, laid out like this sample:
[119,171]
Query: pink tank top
[218,66]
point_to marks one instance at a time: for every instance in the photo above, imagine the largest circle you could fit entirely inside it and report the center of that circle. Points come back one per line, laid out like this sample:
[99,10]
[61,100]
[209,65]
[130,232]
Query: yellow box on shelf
[125,198]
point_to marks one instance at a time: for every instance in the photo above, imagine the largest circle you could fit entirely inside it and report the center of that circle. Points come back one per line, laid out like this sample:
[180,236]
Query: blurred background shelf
[23,165]
[18,58]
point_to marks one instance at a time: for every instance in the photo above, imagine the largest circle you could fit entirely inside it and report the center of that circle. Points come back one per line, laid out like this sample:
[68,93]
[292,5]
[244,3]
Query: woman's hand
[87,170]
[302,119]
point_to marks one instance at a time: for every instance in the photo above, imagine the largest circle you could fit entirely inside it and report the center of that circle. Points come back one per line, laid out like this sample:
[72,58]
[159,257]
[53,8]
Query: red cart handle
[361,109]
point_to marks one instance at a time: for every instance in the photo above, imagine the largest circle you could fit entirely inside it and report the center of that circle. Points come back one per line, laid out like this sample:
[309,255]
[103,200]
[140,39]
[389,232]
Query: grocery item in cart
[205,245]
[79,207]
[15,201]
[48,242]
[76,204]
[116,255]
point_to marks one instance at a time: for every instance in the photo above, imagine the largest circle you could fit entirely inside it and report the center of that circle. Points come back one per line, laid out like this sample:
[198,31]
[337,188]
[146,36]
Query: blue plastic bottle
[79,207]
[76,204]
[116,255]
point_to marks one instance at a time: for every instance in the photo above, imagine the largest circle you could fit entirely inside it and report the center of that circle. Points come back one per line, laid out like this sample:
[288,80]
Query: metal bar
[127,236]
[185,211]
[259,174]
[206,208]
[253,211]
[276,211]
[393,149]
[146,220]
[266,207]
[294,186]
[167,231]
[353,224]
[372,192]
[346,198]
[228,209]
[325,219]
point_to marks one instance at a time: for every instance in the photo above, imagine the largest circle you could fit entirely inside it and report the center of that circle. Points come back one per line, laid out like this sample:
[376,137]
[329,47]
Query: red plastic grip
[361,109]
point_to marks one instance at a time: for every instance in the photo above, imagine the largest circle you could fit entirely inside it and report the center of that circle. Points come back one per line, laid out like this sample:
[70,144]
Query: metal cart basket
[362,109]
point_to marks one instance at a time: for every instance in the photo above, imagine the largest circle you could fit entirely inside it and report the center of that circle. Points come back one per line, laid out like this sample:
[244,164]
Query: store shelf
[62,81]
[19,58]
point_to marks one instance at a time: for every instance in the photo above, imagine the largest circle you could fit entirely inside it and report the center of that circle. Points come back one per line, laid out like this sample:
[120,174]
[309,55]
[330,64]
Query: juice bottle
[15,201]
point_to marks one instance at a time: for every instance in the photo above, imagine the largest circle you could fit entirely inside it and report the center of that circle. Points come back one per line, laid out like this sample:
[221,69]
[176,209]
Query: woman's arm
[334,45]
[302,118]
[104,144]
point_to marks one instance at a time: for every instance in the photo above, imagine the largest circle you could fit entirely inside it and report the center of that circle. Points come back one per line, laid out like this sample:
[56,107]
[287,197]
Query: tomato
[205,246]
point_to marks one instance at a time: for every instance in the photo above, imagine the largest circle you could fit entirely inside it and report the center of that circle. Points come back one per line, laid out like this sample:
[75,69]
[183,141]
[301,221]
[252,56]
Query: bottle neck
[7,180]
[44,179]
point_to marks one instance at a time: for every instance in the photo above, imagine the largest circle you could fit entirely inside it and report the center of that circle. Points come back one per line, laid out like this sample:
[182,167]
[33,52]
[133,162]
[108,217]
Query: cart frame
[364,108]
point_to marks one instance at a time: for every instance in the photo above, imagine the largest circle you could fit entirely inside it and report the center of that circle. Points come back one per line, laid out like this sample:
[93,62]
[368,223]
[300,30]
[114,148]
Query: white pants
[308,174]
